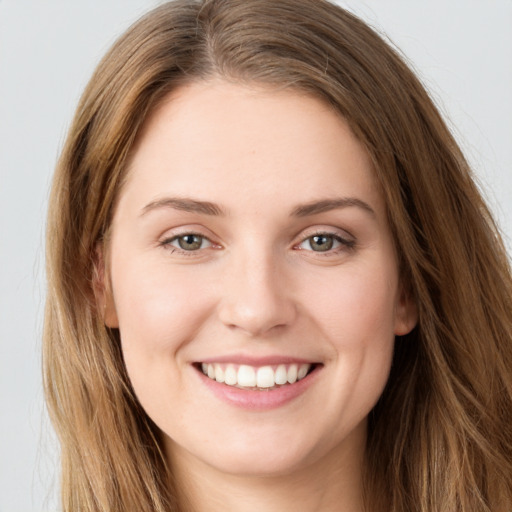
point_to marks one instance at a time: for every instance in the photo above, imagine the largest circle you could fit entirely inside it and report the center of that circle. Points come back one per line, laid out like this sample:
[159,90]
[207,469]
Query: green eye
[325,242]
[321,243]
[190,242]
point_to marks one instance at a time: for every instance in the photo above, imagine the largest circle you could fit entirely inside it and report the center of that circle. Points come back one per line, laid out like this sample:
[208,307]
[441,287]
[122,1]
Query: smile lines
[262,377]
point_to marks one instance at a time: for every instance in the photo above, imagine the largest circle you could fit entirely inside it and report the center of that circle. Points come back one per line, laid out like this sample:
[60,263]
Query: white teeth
[281,375]
[230,376]
[303,370]
[246,376]
[219,373]
[263,377]
[292,374]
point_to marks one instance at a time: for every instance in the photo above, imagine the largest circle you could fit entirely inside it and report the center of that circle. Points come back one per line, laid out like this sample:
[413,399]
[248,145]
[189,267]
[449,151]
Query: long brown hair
[440,438]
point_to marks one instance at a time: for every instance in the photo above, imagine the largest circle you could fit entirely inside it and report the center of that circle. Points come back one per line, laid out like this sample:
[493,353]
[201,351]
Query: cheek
[158,313]
[357,309]
[352,318]
[356,315]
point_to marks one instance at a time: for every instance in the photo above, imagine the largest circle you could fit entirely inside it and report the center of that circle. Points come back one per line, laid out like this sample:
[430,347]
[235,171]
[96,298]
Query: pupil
[322,243]
[190,242]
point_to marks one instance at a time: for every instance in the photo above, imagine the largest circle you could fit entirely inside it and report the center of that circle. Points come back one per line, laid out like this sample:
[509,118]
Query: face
[253,279]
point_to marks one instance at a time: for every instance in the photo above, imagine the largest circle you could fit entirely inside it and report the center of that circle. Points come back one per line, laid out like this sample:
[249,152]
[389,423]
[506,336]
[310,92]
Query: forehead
[247,145]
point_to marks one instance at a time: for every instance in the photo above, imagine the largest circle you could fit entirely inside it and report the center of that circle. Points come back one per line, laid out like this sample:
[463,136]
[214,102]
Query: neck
[333,482]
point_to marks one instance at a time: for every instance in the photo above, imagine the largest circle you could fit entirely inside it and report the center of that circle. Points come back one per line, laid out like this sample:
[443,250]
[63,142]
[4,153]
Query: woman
[272,281]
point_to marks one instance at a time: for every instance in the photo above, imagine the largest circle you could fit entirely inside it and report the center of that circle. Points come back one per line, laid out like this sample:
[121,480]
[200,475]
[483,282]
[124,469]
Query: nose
[255,296]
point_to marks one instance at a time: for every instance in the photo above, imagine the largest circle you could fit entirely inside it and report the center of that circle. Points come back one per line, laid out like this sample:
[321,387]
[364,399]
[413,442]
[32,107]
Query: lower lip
[259,400]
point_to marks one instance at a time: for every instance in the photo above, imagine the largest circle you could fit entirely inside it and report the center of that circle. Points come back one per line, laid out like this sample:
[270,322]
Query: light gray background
[462,50]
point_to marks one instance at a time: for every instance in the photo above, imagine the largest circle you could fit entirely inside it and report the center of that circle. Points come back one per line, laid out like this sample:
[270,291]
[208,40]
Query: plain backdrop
[462,50]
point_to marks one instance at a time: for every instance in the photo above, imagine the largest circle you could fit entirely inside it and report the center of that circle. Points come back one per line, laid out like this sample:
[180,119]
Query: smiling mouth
[256,378]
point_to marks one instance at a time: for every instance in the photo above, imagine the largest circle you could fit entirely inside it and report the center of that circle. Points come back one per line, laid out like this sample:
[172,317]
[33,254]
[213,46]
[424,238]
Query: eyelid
[186,229]
[174,234]
[326,230]
[345,239]
[178,237]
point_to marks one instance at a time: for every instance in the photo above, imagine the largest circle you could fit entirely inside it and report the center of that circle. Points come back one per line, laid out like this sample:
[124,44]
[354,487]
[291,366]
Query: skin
[256,287]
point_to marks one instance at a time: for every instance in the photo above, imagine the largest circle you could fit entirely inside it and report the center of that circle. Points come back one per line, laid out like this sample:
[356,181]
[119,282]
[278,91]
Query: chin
[263,463]
[263,452]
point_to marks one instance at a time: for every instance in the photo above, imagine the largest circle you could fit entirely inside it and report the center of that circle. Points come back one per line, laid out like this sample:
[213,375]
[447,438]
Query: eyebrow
[184,204]
[326,205]
[208,208]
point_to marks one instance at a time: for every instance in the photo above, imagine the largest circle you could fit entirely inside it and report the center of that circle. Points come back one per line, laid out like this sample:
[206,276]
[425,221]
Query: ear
[103,289]
[406,313]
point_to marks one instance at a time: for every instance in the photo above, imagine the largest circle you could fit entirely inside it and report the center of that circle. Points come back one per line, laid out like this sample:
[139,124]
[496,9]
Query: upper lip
[269,360]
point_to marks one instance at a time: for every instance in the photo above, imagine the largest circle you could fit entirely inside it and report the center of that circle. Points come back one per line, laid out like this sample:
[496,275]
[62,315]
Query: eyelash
[167,244]
[344,244]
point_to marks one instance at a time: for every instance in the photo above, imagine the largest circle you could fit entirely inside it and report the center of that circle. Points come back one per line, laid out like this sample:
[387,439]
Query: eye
[188,242]
[324,242]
